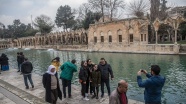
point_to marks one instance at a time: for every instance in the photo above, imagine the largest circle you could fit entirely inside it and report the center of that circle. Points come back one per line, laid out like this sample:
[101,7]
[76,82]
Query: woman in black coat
[4,62]
[83,75]
[51,85]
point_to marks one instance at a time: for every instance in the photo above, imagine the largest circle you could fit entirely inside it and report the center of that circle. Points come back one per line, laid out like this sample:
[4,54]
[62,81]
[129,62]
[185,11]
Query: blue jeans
[29,76]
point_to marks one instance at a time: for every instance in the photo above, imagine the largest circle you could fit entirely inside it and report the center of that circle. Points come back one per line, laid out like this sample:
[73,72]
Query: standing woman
[96,80]
[83,75]
[51,85]
[4,62]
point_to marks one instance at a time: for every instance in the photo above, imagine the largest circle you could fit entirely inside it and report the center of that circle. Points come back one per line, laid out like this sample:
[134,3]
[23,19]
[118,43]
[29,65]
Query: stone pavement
[12,83]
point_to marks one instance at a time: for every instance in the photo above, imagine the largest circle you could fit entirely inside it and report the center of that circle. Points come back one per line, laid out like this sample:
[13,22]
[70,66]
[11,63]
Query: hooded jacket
[153,87]
[68,69]
[26,67]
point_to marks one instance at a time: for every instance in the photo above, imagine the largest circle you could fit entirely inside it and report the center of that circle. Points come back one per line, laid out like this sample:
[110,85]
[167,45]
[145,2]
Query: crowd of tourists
[91,77]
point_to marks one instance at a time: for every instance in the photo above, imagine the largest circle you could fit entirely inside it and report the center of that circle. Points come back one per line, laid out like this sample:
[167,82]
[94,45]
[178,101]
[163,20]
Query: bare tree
[138,7]
[107,7]
[83,10]
[98,6]
[113,6]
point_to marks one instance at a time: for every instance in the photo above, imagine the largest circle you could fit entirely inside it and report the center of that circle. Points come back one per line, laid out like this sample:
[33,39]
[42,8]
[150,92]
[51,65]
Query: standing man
[68,68]
[105,70]
[118,96]
[26,69]
[153,85]
[18,61]
[21,59]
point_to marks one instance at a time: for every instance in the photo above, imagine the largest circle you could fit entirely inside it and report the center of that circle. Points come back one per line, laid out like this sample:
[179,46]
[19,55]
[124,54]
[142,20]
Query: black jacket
[26,67]
[105,71]
[4,59]
[47,85]
[21,59]
[83,74]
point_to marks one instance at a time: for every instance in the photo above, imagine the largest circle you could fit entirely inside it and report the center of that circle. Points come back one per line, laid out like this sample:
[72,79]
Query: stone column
[156,36]
[175,42]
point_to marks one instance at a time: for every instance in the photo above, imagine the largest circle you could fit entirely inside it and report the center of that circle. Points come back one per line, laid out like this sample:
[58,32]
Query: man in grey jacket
[118,96]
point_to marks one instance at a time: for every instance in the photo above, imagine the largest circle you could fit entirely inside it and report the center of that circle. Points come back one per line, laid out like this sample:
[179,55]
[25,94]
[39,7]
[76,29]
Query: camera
[142,70]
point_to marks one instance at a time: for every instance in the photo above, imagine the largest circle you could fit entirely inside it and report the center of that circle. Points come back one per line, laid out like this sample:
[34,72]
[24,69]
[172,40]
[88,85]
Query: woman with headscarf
[51,85]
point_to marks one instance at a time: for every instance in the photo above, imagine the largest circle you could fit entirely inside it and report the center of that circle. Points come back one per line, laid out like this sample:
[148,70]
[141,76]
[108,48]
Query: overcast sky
[23,9]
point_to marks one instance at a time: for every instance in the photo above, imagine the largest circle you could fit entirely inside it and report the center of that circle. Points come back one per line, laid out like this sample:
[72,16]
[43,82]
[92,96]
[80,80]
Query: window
[95,39]
[141,37]
[145,37]
[110,38]
[102,38]
[120,38]
[131,37]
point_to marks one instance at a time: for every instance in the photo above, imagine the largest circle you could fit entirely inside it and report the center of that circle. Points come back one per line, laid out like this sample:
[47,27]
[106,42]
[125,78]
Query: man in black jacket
[105,70]
[26,69]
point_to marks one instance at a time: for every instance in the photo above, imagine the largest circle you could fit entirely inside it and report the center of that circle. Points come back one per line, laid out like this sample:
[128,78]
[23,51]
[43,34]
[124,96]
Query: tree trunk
[102,10]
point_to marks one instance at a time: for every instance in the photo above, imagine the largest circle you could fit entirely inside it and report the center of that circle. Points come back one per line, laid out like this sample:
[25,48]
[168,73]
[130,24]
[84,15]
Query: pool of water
[125,66]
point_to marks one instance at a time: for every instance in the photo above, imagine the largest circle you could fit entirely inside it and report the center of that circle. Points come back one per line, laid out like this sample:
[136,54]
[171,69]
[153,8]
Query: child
[96,80]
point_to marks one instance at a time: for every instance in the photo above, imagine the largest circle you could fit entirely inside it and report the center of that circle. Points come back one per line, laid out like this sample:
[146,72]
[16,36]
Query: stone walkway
[12,82]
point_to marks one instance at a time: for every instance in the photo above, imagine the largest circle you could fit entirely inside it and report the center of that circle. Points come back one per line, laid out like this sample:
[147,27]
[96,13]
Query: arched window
[110,36]
[102,37]
[119,35]
[95,37]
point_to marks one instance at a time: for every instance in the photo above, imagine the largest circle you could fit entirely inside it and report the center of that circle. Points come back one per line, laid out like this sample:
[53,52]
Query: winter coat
[19,59]
[95,78]
[83,74]
[4,60]
[47,85]
[115,97]
[68,69]
[22,58]
[105,71]
[26,67]
[153,87]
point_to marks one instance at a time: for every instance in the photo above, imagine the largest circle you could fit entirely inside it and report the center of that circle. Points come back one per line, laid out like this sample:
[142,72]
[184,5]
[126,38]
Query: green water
[125,66]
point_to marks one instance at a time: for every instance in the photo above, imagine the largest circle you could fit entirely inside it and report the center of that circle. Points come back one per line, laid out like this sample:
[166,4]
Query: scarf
[123,98]
[49,70]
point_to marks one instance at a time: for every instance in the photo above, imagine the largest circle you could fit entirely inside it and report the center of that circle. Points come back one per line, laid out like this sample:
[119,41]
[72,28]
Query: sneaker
[86,99]
[18,71]
[97,97]
[69,96]
[32,86]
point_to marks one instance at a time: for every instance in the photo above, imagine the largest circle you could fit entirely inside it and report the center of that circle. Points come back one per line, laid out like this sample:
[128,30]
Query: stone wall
[127,35]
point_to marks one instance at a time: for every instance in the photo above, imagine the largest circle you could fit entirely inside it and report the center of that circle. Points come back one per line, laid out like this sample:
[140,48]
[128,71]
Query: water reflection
[125,66]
